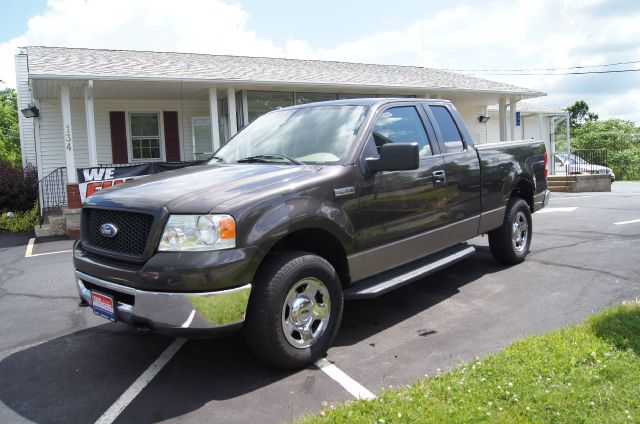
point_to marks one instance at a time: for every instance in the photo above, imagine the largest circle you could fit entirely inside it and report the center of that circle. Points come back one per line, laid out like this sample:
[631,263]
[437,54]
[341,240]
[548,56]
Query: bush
[620,138]
[18,190]
[21,221]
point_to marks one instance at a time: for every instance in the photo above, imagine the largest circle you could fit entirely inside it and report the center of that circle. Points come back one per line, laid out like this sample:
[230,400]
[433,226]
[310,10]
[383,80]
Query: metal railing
[52,190]
[586,161]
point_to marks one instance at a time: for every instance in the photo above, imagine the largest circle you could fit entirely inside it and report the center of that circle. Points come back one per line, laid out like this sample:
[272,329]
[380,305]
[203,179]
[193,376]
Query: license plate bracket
[103,305]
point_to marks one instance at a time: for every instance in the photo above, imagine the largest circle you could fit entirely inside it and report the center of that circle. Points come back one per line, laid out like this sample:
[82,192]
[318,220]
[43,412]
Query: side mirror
[395,157]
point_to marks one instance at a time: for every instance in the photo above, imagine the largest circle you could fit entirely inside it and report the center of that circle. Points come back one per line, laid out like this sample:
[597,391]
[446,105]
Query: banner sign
[92,180]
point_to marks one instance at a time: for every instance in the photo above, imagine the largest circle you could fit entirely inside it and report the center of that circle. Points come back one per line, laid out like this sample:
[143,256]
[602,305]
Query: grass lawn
[588,372]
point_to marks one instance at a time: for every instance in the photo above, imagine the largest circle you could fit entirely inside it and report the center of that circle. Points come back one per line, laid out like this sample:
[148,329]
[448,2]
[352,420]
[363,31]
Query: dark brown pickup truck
[305,207]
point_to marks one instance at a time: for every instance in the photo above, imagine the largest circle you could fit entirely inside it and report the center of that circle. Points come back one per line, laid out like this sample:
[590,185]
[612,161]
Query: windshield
[573,159]
[316,134]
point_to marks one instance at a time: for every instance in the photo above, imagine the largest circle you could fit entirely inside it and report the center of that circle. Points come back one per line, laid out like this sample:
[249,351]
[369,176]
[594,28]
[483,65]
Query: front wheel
[510,243]
[294,310]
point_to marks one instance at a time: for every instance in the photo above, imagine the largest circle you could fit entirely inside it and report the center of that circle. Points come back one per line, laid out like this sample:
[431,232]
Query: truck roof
[367,101]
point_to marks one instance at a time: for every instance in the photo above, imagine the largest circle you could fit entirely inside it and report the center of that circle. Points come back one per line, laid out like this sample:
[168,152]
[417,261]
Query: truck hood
[196,189]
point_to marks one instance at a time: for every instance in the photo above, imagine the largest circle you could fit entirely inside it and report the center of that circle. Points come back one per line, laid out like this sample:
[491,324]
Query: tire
[510,243]
[294,311]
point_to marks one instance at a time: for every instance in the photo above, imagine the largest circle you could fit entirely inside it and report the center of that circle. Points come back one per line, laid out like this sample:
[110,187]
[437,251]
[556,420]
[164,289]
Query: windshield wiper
[218,158]
[265,159]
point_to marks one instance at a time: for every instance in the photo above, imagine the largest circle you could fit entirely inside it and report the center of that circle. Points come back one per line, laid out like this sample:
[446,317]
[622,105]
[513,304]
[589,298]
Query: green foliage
[620,138]
[9,130]
[21,221]
[18,187]
[587,372]
[579,114]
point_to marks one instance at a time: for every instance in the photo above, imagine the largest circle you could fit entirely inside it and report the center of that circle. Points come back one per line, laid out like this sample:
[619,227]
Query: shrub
[620,138]
[18,190]
[21,221]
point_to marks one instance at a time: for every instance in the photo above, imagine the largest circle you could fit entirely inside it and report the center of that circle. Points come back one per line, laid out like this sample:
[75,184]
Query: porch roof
[58,63]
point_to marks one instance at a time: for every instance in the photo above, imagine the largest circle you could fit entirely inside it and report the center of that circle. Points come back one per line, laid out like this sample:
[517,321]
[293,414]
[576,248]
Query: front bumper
[179,314]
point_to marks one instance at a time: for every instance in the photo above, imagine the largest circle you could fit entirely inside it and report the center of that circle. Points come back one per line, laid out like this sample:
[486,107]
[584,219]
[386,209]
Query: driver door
[395,207]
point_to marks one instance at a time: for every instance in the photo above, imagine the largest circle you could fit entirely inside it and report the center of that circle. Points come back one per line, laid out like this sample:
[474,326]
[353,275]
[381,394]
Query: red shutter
[171,136]
[118,137]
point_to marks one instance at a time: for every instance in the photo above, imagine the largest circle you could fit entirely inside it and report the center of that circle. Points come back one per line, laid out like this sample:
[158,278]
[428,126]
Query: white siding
[186,110]
[27,137]
[470,115]
[493,127]
[51,136]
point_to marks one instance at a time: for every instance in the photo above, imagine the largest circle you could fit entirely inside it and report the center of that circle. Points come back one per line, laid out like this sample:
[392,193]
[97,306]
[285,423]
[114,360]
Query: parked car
[305,207]
[574,164]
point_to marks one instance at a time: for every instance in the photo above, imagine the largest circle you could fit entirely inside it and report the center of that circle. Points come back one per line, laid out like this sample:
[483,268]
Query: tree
[9,130]
[579,114]
[620,138]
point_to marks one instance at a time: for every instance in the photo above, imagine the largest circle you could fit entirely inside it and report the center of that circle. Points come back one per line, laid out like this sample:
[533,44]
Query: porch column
[213,113]
[245,109]
[568,134]
[91,123]
[67,131]
[542,135]
[231,103]
[512,119]
[502,118]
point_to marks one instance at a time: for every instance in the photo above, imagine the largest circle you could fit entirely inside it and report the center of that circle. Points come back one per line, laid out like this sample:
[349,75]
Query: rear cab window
[449,130]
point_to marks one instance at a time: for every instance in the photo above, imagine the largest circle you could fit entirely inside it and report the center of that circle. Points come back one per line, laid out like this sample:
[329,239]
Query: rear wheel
[294,311]
[510,243]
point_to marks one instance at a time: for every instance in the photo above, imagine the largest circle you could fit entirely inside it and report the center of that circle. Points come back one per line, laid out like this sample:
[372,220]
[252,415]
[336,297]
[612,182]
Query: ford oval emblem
[108,230]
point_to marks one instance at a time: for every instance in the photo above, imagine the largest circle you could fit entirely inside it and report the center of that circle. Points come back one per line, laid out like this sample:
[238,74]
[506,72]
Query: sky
[465,35]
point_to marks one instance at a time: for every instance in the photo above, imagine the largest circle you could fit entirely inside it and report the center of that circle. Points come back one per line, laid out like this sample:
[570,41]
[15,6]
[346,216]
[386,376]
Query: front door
[396,208]
[202,141]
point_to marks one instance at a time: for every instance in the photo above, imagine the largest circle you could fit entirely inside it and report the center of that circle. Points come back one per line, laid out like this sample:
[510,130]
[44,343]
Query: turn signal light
[227,228]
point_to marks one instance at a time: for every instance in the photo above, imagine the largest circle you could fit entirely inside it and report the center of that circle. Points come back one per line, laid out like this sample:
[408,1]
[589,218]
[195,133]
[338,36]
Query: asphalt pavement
[62,363]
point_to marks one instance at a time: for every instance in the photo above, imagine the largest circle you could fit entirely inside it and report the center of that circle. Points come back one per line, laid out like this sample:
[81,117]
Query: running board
[403,275]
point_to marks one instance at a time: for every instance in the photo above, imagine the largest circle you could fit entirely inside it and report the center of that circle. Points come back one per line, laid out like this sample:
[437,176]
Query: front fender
[299,213]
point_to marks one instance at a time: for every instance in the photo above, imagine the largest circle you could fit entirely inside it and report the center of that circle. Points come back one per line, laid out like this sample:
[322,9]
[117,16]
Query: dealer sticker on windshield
[103,305]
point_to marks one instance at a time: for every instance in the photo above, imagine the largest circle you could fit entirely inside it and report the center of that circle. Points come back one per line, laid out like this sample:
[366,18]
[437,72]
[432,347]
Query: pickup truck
[307,206]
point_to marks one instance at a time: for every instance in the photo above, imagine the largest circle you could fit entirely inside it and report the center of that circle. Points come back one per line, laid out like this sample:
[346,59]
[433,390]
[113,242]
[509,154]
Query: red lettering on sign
[93,188]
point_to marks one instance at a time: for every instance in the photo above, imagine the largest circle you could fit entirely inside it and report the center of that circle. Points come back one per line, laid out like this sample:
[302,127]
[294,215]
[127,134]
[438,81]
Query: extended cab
[305,207]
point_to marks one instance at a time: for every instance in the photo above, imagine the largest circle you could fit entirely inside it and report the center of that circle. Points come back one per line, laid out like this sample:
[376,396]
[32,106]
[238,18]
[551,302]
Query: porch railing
[52,190]
[588,161]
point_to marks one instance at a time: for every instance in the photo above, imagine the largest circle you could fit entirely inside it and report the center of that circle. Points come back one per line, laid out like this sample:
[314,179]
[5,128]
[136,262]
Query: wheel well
[524,191]
[319,242]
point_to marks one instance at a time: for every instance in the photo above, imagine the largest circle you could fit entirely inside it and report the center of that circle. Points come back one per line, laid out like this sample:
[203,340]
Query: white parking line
[571,197]
[29,252]
[356,389]
[187,323]
[549,210]
[626,222]
[29,248]
[141,382]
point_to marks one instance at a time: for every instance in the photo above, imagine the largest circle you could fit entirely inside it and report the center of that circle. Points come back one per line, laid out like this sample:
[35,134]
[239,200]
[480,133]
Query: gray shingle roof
[127,64]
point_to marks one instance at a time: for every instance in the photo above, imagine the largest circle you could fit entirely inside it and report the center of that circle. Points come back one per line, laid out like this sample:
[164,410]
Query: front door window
[202,144]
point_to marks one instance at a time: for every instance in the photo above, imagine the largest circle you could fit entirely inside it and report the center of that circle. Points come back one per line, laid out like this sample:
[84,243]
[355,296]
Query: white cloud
[203,26]
[493,34]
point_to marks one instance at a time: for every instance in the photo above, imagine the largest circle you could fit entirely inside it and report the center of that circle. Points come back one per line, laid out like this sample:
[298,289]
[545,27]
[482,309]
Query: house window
[261,102]
[145,136]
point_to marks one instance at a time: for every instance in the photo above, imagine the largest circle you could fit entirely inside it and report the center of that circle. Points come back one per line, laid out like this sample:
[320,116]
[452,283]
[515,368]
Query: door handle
[439,177]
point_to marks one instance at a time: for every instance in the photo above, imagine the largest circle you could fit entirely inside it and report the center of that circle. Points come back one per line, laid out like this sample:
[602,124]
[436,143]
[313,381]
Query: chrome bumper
[173,313]
[541,200]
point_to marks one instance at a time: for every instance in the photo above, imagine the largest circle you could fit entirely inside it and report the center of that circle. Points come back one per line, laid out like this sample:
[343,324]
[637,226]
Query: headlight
[198,232]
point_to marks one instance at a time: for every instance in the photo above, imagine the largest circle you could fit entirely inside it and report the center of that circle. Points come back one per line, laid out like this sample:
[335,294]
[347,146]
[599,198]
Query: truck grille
[131,238]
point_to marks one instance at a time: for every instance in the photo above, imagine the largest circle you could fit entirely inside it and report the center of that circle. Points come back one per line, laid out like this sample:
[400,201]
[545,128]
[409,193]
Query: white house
[97,107]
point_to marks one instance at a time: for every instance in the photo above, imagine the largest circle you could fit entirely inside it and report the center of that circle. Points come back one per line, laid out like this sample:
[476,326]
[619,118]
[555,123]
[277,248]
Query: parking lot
[62,363]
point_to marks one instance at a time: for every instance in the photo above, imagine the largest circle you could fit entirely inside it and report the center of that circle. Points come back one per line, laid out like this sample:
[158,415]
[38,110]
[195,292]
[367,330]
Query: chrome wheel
[519,232]
[305,313]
